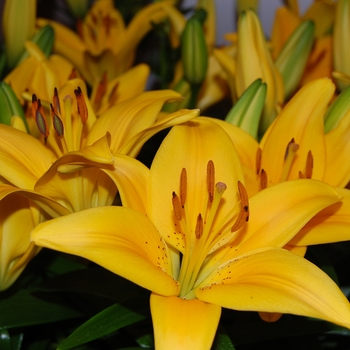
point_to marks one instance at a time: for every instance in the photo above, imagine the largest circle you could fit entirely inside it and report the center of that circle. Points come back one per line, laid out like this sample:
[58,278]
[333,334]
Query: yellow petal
[23,158]
[192,146]
[278,281]
[121,240]
[301,119]
[338,148]
[129,117]
[329,225]
[291,205]
[183,324]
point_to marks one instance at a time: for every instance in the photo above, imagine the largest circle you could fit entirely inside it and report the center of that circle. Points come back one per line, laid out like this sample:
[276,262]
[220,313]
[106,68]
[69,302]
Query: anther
[82,108]
[177,206]
[309,165]
[199,226]
[101,89]
[56,102]
[258,160]
[41,120]
[183,186]
[210,179]
[57,122]
[243,215]
[263,179]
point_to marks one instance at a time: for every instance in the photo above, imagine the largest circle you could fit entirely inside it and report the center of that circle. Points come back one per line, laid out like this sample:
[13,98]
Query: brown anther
[82,108]
[34,105]
[183,186]
[243,195]
[258,160]
[101,90]
[292,146]
[57,122]
[199,226]
[243,215]
[210,179]
[73,74]
[41,120]
[309,165]
[177,207]
[263,179]
[56,102]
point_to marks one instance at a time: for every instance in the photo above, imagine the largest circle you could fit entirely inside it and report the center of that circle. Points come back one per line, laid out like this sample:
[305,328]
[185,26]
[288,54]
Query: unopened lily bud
[293,57]
[341,37]
[18,25]
[10,106]
[79,8]
[184,88]
[247,110]
[44,39]
[194,52]
[337,110]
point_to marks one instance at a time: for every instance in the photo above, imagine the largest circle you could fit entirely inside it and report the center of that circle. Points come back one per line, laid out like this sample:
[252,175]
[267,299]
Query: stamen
[263,179]
[183,186]
[177,207]
[291,149]
[210,179]
[309,165]
[82,108]
[101,89]
[113,94]
[243,215]
[41,120]
[199,227]
[258,160]
[56,102]
[73,74]
[34,105]
[57,122]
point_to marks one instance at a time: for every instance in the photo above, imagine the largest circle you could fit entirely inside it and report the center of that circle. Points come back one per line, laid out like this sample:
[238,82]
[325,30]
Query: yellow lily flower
[189,241]
[104,44]
[77,135]
[296,146]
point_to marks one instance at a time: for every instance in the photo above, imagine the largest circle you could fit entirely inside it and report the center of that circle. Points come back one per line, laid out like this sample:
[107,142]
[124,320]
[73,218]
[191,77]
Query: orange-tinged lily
[199,244]
[74,134]
[104,42]
[296,146]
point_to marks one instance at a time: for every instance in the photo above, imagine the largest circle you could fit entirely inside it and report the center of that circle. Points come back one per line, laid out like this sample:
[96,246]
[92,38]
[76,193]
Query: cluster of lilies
[225,213]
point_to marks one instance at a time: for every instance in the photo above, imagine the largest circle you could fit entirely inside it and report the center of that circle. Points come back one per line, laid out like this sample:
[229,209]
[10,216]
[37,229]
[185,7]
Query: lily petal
[183,324]
[290,206]
[301,119]
[121,240]
[23,158]
[328,226]
[278,281]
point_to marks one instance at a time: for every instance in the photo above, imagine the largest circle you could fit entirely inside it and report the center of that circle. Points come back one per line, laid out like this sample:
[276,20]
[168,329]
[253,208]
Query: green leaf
[5,340]
[94,281]
[109,320]
[24,309]
[222,341]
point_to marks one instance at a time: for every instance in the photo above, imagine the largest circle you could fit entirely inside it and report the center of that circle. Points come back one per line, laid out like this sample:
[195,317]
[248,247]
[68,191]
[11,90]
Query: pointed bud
[246,112]
[18,26]
[194,52]
[337,110]
[292,59]
[341,37]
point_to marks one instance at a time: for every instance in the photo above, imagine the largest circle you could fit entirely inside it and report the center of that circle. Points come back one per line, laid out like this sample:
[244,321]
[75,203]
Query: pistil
[291,150]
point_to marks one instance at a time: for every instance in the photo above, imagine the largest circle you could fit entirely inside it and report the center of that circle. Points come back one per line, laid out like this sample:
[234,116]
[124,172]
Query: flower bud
[18,26]
[293,57]
[194,52]
[247,110]
[79,8]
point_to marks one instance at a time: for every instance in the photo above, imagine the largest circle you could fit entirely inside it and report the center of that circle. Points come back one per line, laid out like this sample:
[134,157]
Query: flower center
[64,133]
[207,232]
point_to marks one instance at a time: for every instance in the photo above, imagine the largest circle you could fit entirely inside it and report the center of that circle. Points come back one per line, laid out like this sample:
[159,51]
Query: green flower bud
[293,57]
[10,106]
[194,52]
[247,110]
[337,110]
[79,8]
[18,26]
[184,88]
